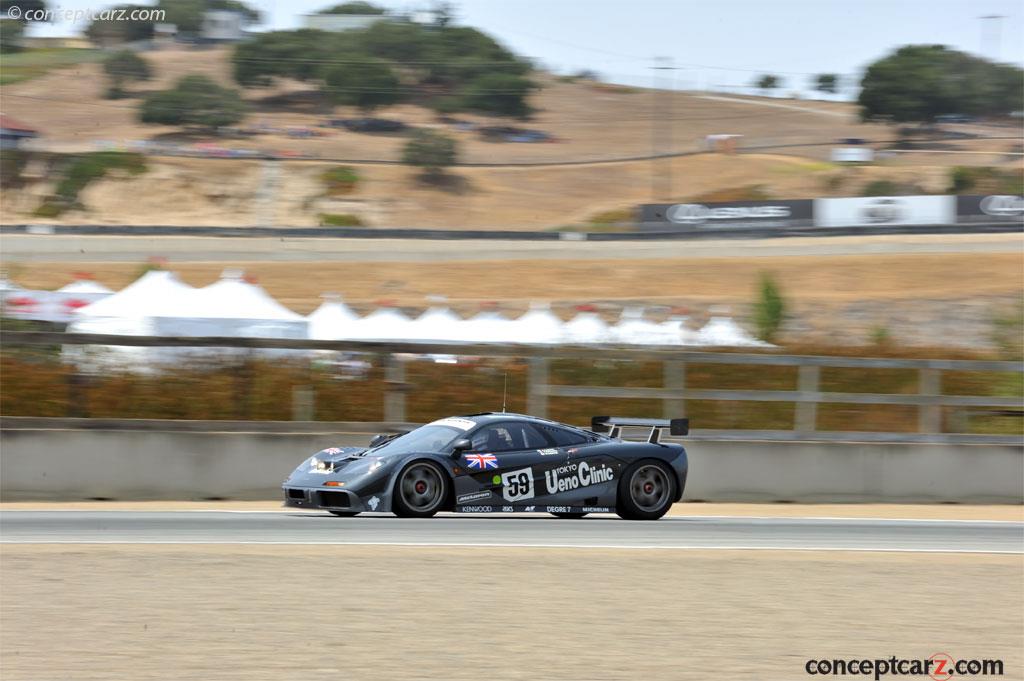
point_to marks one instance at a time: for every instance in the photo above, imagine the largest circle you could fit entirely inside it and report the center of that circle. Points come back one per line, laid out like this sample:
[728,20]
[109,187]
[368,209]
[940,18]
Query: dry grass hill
[590,122]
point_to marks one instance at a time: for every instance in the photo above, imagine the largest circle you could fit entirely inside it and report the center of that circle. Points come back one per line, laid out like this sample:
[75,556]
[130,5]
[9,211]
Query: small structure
[13,132]
[223,26]
[339,23]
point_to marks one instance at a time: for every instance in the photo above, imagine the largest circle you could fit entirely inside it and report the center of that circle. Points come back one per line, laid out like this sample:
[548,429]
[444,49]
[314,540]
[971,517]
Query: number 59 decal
[517,485]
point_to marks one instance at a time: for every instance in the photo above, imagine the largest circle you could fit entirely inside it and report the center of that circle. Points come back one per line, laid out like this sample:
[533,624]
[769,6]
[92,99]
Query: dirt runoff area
[333,612]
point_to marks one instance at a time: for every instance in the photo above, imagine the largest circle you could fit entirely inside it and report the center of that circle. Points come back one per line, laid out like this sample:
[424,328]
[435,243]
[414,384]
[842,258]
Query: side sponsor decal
[373,503]
[547,452]
[475,496]
[574,476]
[517,485]
[482,461]
[474,509]
[509,508]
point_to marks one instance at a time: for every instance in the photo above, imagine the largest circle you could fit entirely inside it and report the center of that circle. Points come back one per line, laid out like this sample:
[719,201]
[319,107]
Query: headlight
[319,466]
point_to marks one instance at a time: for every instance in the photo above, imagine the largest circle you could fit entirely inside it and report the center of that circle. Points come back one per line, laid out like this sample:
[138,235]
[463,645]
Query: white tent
[331,320]
[383,324]
[586,327]
[676,332]
[539,326]
[131,310]
[230,306]
[438,324]
[488,326]
[723,331]
[85,286]
[633,329]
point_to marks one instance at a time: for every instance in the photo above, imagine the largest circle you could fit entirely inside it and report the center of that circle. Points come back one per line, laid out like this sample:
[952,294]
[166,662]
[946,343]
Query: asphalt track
[522,530]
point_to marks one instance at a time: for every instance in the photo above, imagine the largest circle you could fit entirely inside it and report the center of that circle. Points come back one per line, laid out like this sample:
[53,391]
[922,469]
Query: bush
[194,101]
[341,220]
[11,32]
[82,170]
[340,180]
[431,151]
[985,180]
[503,94]
[770,309]
[890,188]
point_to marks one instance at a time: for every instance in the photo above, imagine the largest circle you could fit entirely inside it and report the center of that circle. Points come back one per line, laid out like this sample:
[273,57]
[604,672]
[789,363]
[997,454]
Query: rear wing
[613,425]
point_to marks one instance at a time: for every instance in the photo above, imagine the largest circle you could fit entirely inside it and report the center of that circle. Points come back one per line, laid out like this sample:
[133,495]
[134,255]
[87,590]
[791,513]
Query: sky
[714,44]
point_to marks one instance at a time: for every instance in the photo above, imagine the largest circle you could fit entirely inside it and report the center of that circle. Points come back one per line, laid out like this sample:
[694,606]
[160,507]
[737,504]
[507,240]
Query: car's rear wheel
[569,516]
[646,490]
[344,514]
[420,490]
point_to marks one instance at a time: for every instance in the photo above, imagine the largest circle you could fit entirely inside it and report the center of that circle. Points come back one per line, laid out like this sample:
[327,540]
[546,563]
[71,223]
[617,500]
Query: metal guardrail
[653,234]
[674,393]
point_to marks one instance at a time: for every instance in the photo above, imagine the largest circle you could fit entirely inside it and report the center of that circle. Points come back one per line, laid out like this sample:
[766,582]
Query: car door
[504,459]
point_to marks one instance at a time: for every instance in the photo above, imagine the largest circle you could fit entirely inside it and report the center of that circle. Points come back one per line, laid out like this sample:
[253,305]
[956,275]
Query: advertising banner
[992,208]
[880,211]
[733,214]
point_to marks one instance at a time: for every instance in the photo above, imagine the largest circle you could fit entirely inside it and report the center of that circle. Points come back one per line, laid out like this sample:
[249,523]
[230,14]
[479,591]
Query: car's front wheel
[420,490]
[646,490]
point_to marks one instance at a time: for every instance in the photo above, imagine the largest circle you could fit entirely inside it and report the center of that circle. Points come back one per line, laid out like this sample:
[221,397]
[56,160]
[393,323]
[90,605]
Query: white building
[339,23]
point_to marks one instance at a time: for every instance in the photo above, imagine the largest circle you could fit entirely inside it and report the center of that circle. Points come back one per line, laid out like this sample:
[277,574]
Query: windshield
[429,438]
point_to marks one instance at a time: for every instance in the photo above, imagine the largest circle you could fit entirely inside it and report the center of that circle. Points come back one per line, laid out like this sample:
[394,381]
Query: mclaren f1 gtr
[500,463]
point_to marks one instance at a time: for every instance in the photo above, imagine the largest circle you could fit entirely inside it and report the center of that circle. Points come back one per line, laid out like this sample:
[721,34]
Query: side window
[563,437]
[503,437]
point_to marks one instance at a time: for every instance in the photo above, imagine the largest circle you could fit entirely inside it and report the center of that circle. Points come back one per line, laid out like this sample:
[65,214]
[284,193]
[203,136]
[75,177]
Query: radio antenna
[504,394]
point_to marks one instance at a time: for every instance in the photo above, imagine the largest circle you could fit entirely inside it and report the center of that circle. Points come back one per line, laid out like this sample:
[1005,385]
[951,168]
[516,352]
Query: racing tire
[421,490]
[345,514]
[569,516]
[647,490]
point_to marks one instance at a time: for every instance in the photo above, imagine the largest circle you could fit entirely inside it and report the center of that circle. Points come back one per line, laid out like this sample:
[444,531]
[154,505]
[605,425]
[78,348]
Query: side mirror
[379,439]
[460,446]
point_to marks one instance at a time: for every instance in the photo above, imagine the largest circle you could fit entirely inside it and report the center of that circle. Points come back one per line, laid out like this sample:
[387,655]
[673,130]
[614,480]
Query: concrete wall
[37,463]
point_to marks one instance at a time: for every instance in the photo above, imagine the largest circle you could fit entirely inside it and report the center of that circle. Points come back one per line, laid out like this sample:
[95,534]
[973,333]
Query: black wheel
[569,516]
[420,491]
[344,514]
[646,490]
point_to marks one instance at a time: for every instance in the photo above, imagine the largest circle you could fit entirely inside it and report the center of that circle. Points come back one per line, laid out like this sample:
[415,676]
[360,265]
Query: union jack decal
[482,461]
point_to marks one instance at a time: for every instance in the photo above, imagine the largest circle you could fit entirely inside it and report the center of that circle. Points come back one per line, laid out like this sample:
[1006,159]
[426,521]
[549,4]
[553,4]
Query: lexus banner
[993,208]
[733,214]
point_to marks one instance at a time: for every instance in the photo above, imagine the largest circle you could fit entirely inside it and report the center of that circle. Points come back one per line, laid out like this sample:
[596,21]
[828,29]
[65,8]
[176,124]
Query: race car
[498,462]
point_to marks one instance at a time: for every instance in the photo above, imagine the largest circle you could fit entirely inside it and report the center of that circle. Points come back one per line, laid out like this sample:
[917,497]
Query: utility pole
[997,20]
[661,128]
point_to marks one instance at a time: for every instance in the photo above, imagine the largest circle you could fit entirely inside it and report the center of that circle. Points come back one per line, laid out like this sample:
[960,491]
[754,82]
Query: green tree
[770,309]
[919,82]
[368,85]
[11,32]
[194,101]
[112,31]
[767,82]
[431,151]
[826,82]
[355,7]
[504,94]
[122,67]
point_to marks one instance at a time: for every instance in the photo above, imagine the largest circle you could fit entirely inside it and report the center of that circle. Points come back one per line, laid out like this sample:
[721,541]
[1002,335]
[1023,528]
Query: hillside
[590,121]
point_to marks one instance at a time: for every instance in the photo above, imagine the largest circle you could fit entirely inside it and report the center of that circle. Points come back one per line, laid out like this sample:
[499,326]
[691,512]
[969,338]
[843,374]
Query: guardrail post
[808,379]
[929,416]
[537,389]
[303,403]
[394,391]
[674,380]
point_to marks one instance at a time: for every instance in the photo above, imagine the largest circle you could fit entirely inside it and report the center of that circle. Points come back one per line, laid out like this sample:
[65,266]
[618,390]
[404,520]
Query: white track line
[642,547]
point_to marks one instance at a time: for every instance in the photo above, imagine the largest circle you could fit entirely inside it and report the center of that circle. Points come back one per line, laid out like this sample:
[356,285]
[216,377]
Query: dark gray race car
[499,463]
